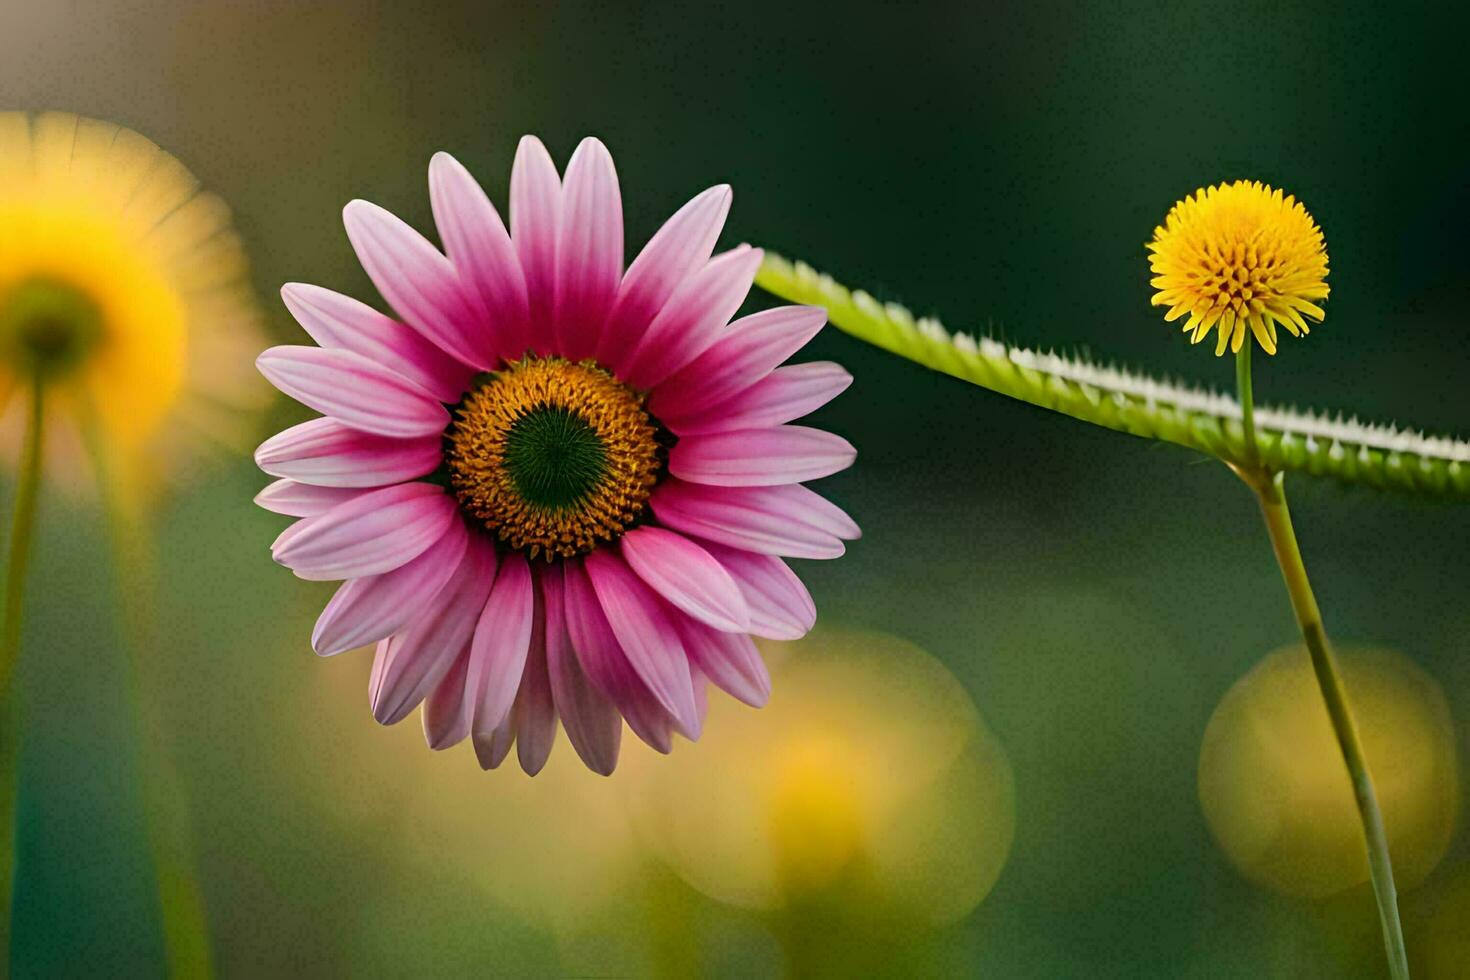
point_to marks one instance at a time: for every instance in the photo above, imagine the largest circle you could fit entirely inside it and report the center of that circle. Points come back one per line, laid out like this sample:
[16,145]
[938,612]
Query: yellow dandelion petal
[1261,329]
[123,290]
[1245,253]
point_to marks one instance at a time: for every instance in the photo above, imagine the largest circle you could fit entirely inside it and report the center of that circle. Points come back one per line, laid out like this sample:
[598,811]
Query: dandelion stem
[22,531]
[181,900]
[1247,404]
[1270,490]
[1272,496]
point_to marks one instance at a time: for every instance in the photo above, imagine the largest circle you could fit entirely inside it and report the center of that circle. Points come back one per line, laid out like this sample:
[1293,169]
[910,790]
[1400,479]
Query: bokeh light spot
[869,780]
[1276,794]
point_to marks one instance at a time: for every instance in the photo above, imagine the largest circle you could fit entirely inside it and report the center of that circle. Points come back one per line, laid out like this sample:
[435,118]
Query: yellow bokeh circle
[870,778]
[1276,794]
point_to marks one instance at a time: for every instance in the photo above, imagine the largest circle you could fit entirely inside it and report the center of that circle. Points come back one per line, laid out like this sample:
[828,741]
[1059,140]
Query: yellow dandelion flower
[123,295]
[1238,256]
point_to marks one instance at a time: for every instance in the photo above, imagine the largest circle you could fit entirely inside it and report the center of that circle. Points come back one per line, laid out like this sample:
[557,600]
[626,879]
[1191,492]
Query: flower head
[556,488]
[1238,256]
[123,288]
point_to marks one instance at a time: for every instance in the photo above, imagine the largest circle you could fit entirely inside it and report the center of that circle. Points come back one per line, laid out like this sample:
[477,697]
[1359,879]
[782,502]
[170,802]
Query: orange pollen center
[555,457]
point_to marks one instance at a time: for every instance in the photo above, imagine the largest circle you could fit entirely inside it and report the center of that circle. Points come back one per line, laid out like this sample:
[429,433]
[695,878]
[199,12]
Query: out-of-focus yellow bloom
[870,778]
[123,291]
[1275,791]
[555,851]
[1239,255]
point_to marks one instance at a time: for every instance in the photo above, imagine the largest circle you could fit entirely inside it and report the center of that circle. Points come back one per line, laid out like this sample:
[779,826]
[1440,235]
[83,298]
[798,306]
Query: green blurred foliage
[995,164]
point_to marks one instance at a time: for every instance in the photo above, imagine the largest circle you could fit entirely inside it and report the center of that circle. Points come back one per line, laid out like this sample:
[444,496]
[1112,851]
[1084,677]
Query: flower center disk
[555,457]
[47,327]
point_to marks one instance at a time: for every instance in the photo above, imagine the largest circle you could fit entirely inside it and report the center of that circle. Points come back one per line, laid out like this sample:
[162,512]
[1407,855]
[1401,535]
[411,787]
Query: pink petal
[682,245]
[781,608]
[367,535]
[480,248]
[384,657]
[589,250]
[445,721]
[791,520]
[296,530]
[535,709]
[607,667]
[593,724]
[701,696]
[645,633]
[302,499]
[493,746]
[535,215]
[366,610]
[498,651]
[760,457]
[731,660]
[821,512]
[341,322]
[354,390]
[414,661]
[328,453]
[745,353]
[786,393]
[694,317]
[687,576]
[531,721]
[418,282]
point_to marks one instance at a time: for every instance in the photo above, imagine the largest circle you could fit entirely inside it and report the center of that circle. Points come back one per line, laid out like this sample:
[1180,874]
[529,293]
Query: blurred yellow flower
[123,292]
[1239,255]
[555,851]
[1277,797]
[869,778]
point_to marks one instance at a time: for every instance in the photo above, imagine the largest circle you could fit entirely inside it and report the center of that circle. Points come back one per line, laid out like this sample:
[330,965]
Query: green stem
[166,811]
[1272,497]
[1270,490]
[675,946]
[1247,404]
[22,532]
[1379,456]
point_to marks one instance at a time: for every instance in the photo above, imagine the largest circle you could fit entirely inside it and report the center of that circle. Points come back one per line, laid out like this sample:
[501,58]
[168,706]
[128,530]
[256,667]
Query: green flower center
[554,457]
[47,327]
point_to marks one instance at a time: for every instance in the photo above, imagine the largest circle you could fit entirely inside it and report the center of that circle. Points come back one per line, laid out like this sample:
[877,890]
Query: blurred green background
[998,165]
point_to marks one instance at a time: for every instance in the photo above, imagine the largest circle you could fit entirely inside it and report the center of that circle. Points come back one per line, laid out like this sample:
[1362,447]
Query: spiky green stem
[1127,401]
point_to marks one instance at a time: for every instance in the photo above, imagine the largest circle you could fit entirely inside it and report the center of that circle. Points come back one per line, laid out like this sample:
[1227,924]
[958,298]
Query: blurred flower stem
[673,929]
[22,530]
[1270,490]
[166,810]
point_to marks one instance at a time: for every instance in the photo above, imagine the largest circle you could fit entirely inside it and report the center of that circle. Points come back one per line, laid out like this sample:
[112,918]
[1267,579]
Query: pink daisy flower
[556,489]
